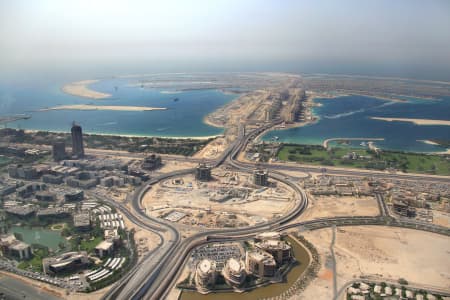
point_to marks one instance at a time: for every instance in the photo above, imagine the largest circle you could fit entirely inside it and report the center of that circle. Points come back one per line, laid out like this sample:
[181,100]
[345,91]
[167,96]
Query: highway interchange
[157,272]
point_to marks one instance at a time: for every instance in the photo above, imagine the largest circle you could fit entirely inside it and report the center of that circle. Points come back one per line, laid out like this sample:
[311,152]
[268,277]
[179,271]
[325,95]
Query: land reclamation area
[365,159]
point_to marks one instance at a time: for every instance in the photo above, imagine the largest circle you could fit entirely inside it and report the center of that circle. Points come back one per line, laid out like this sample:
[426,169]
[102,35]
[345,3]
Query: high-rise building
[59,151]
[77,141]
[260,177]
[203,172]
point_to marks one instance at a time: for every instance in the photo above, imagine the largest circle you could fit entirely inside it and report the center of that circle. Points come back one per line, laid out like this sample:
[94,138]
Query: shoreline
[88,107]
[81,89]
[132,135]
[425,122]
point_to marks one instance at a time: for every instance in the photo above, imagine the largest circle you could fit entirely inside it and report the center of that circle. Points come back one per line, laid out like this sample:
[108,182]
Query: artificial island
[235,215]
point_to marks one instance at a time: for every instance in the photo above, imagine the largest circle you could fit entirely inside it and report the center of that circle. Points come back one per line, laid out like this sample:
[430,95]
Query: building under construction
[261,177]
[203,172]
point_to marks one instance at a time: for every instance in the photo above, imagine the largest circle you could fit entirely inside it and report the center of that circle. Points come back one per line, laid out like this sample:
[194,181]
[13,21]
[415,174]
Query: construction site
[219,198]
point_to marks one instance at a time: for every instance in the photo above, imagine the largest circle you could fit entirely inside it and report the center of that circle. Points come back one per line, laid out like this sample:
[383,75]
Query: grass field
[90,244]
[366,159]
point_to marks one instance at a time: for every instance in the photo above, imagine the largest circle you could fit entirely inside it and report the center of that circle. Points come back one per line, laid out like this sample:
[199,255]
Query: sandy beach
[103,107]
[415,121]
[81,89]
[428,142]
[136,135]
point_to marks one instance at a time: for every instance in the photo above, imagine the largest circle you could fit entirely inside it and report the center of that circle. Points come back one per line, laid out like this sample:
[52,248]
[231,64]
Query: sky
[408,37]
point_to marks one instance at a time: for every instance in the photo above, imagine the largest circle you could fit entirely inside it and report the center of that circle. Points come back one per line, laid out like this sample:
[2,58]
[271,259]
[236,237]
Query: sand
[335,206]
[415,121]
[428,142]
[381,252]
[81,89]
[103,107]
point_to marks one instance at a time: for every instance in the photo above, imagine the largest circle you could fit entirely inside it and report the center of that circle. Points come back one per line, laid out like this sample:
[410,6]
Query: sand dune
[415,121]
[81,89]
[103,107]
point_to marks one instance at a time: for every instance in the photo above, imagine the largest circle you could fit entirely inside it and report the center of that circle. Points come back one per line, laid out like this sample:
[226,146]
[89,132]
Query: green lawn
[407,162]
[90,244]
[35,263]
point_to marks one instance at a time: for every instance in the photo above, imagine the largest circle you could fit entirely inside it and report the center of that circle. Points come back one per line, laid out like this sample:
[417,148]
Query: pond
[40,235]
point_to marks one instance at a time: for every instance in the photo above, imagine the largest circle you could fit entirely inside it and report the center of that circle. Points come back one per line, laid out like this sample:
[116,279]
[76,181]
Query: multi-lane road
[157,272]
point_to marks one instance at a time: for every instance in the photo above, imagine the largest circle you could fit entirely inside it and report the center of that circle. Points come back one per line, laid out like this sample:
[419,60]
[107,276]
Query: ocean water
[182,118]
[349,116]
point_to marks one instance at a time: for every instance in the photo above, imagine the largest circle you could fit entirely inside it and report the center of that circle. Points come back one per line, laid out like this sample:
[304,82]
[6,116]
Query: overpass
[157,272]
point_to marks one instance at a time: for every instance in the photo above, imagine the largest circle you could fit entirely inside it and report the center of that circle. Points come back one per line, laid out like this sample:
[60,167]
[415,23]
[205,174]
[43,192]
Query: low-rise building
[64,262]
[104,248]
[260,263]
[29,189]
[75,195]
[45,196]
[82,220]
[12,247]
[22,172]
[280,250]
[53,179]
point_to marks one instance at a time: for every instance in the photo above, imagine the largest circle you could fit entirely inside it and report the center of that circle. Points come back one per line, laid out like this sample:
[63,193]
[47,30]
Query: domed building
[205,275]
[234,272]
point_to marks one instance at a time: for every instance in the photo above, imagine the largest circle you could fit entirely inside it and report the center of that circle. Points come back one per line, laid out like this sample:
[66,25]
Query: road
[156,274]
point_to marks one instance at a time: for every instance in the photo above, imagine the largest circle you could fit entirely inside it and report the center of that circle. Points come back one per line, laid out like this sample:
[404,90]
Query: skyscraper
[59,150]
[77,141]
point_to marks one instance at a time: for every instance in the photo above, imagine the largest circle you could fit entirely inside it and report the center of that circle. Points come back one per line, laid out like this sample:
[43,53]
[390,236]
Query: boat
[363,144]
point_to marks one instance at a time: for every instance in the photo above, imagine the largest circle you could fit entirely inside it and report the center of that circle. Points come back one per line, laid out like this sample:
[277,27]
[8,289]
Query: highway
[156,273]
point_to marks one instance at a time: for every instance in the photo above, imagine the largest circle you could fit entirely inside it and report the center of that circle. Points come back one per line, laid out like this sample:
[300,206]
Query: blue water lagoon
[351,117]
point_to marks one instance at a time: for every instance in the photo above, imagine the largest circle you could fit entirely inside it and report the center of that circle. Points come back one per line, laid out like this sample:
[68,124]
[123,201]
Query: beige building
[12,247]
[280,250]
[260,263]
[234,272]
[205,275]
[105,248]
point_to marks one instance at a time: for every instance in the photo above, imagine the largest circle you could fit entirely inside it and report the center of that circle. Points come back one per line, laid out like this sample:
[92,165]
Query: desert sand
[102,107]
[380,252]
[81,89]
[415,121]
[334,206]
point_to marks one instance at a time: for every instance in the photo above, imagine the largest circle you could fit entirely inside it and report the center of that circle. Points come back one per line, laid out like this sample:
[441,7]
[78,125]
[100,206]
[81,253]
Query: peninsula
[81,89]
[415,121]
[103,107]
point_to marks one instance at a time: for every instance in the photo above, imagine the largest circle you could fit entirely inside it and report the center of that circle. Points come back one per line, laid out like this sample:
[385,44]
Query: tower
[59,150]
[77,141]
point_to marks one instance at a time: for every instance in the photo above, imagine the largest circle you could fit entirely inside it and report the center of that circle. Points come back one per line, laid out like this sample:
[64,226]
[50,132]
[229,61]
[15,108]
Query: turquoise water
[182,119]
[349,116]
[41,236]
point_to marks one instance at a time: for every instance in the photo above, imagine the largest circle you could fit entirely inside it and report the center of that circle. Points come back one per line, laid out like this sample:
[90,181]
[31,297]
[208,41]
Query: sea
[183,117]
[340,117]
[350,117]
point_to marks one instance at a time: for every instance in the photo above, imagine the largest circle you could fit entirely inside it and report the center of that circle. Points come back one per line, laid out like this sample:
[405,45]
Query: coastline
[426,122]
[102,107]
[132,135]
[81,89]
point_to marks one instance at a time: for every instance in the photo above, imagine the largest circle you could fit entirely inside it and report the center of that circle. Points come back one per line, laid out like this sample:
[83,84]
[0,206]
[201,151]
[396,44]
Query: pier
[327,141]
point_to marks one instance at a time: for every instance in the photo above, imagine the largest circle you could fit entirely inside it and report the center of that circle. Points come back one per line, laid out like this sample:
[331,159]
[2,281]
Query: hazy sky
[263,33]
